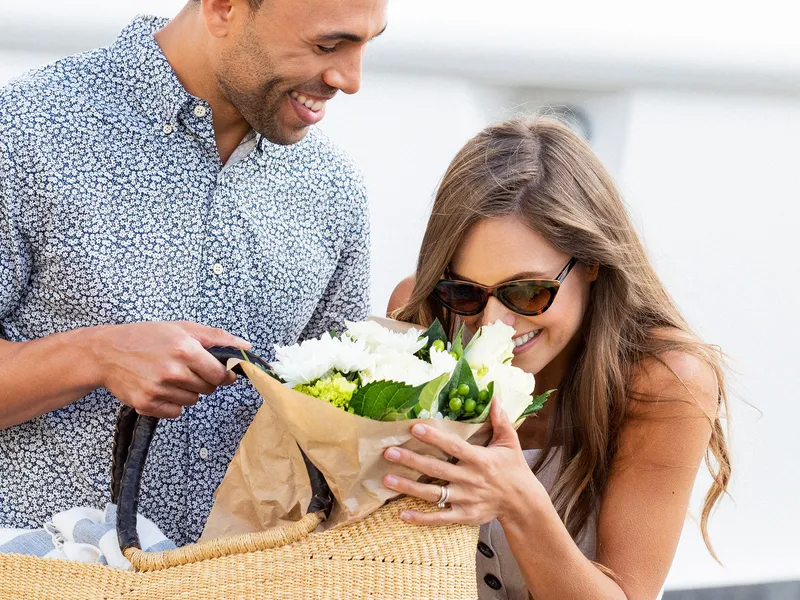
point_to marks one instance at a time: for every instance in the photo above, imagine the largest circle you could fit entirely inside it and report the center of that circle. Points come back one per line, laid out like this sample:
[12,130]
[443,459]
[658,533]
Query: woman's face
[498,250]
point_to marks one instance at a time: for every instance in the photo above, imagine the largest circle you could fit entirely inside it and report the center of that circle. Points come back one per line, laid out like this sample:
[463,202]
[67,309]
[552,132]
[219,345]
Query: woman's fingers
[424,491]
[503,430]
[433,467]
[449,443]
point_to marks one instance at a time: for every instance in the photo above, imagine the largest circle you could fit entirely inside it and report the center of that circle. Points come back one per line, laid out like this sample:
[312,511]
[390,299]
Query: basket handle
[132,438]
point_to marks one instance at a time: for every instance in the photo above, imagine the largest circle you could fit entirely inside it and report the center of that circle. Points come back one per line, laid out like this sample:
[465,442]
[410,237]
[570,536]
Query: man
[159,197]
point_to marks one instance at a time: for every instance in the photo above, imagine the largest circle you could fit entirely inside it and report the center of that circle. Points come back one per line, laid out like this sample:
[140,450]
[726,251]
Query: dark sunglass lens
[460,297]
[527,297]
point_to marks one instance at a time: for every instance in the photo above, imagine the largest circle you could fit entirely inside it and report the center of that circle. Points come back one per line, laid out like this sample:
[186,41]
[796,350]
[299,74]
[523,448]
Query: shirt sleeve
[15,261]
[347,296]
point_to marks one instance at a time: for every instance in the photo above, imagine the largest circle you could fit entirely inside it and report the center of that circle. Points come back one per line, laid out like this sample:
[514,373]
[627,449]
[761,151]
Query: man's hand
[158,368]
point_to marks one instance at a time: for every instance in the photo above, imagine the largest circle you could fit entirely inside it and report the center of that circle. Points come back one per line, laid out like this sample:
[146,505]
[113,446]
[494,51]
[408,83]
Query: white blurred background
[695,108]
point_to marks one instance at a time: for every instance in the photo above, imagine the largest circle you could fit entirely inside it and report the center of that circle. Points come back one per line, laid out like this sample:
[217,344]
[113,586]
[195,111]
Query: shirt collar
[148,72]
[162,96]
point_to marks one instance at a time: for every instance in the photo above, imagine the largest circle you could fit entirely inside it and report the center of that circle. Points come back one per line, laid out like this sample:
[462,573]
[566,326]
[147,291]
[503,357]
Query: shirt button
[485,550]
[493,582]
[200,111]
[217,269]
[204,453]
[167,129]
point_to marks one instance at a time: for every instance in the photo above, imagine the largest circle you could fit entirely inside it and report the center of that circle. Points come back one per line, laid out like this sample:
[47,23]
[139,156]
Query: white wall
[715,184]
[403,146]
[711,178]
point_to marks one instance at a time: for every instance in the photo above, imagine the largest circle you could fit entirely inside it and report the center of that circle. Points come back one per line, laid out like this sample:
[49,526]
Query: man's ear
[217,15]
[592,272]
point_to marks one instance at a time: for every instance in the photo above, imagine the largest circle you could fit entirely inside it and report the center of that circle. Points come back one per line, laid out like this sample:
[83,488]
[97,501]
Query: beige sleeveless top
[499,577]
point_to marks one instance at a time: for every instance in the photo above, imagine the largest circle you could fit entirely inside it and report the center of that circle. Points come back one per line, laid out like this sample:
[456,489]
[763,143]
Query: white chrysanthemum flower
[513,387]
[492,345]
[396,365]
[376,337]
[441,362]
[351,355]
[312,359]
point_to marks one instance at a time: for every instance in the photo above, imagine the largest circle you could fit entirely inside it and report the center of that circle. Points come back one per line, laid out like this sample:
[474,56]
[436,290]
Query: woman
[587,500]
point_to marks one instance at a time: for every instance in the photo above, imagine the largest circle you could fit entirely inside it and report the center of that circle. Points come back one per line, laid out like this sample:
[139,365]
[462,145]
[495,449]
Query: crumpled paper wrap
[266,483]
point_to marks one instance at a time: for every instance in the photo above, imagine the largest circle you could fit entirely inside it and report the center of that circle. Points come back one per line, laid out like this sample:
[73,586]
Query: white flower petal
[312,359]
[491,345]
[394,365]
[441,362]
[376,336]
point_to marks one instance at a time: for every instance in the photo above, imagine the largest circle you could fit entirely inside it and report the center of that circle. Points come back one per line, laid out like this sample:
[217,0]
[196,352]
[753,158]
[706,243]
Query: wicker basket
[380,558]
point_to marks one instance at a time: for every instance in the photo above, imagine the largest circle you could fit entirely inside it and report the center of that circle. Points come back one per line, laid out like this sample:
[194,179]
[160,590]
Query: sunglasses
[528,297]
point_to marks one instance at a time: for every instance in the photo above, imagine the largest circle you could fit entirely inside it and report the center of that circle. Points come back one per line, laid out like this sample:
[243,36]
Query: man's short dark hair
[253,3]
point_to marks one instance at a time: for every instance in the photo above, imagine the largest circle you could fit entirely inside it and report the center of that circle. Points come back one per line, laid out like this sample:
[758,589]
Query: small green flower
[335,389]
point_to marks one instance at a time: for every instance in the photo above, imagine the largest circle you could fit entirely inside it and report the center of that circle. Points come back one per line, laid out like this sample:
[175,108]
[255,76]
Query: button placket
[485,550]
[493,582]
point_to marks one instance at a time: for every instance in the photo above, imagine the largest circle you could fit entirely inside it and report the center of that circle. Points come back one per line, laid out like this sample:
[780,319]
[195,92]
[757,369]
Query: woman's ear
[591,273]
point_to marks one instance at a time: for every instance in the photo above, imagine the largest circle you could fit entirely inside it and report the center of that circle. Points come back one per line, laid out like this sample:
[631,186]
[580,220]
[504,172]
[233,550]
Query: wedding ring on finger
[444,497]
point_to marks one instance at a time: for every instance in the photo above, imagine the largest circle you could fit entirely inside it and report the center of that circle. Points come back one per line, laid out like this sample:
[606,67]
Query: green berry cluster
[464,406]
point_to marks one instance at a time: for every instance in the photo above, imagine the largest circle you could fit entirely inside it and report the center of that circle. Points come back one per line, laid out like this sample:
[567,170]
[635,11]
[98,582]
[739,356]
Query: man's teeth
[523,339]
[309,103]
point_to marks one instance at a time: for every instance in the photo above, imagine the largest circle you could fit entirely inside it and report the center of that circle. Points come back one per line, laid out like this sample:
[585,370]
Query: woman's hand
[487,483]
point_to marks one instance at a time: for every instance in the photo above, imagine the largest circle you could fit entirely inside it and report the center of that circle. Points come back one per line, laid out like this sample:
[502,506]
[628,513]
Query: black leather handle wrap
[132,439]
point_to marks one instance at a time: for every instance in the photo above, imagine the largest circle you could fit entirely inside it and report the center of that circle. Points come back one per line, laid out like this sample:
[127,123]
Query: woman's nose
[496,311]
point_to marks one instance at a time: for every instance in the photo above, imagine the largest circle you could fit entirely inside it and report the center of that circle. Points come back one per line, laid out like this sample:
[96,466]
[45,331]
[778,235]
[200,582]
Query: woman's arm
[642,513]
[645,503]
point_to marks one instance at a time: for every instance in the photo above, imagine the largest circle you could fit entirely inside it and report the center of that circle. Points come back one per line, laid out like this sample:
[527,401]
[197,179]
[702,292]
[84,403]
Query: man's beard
[261,108]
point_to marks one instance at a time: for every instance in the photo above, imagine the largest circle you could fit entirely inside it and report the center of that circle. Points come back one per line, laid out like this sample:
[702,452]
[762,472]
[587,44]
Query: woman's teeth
[309,103]
[523,339]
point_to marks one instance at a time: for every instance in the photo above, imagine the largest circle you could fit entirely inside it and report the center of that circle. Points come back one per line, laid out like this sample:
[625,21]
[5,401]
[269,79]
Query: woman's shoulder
[401,294]
[684,370]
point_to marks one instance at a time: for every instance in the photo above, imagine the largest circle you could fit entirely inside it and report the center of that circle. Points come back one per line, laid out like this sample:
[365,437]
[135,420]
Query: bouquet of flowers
[346,397]
[374,372]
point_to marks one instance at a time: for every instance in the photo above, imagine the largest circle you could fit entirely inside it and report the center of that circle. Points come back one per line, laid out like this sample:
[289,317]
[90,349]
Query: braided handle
[133,436]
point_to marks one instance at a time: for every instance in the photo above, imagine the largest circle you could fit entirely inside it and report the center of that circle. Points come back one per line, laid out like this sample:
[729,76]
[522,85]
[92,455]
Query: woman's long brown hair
[539,171]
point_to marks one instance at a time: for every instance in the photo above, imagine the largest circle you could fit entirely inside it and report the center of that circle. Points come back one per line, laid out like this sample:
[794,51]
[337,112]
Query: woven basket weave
[379,558]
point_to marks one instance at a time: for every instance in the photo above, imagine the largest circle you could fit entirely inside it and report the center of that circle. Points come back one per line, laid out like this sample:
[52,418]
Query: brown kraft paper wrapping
[266,483]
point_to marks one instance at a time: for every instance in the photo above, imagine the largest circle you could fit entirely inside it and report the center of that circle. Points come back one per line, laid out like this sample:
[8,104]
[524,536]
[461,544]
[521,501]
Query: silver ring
[444,497]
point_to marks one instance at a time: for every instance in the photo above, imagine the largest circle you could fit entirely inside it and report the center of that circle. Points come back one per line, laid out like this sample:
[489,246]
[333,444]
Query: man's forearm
[43,375]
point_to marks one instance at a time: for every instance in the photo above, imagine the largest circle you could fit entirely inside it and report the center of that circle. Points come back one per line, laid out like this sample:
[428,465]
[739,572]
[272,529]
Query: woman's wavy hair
[538,170]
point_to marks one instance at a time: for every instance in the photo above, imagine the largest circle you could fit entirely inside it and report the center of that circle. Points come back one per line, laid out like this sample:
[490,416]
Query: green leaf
[430,394]
[434,332]
[461,374]
[458,344]
[536,404]
[371,400]
[402,401]
[379,399]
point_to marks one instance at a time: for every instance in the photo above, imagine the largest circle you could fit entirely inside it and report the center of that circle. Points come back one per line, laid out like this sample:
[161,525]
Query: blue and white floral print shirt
[115,208]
